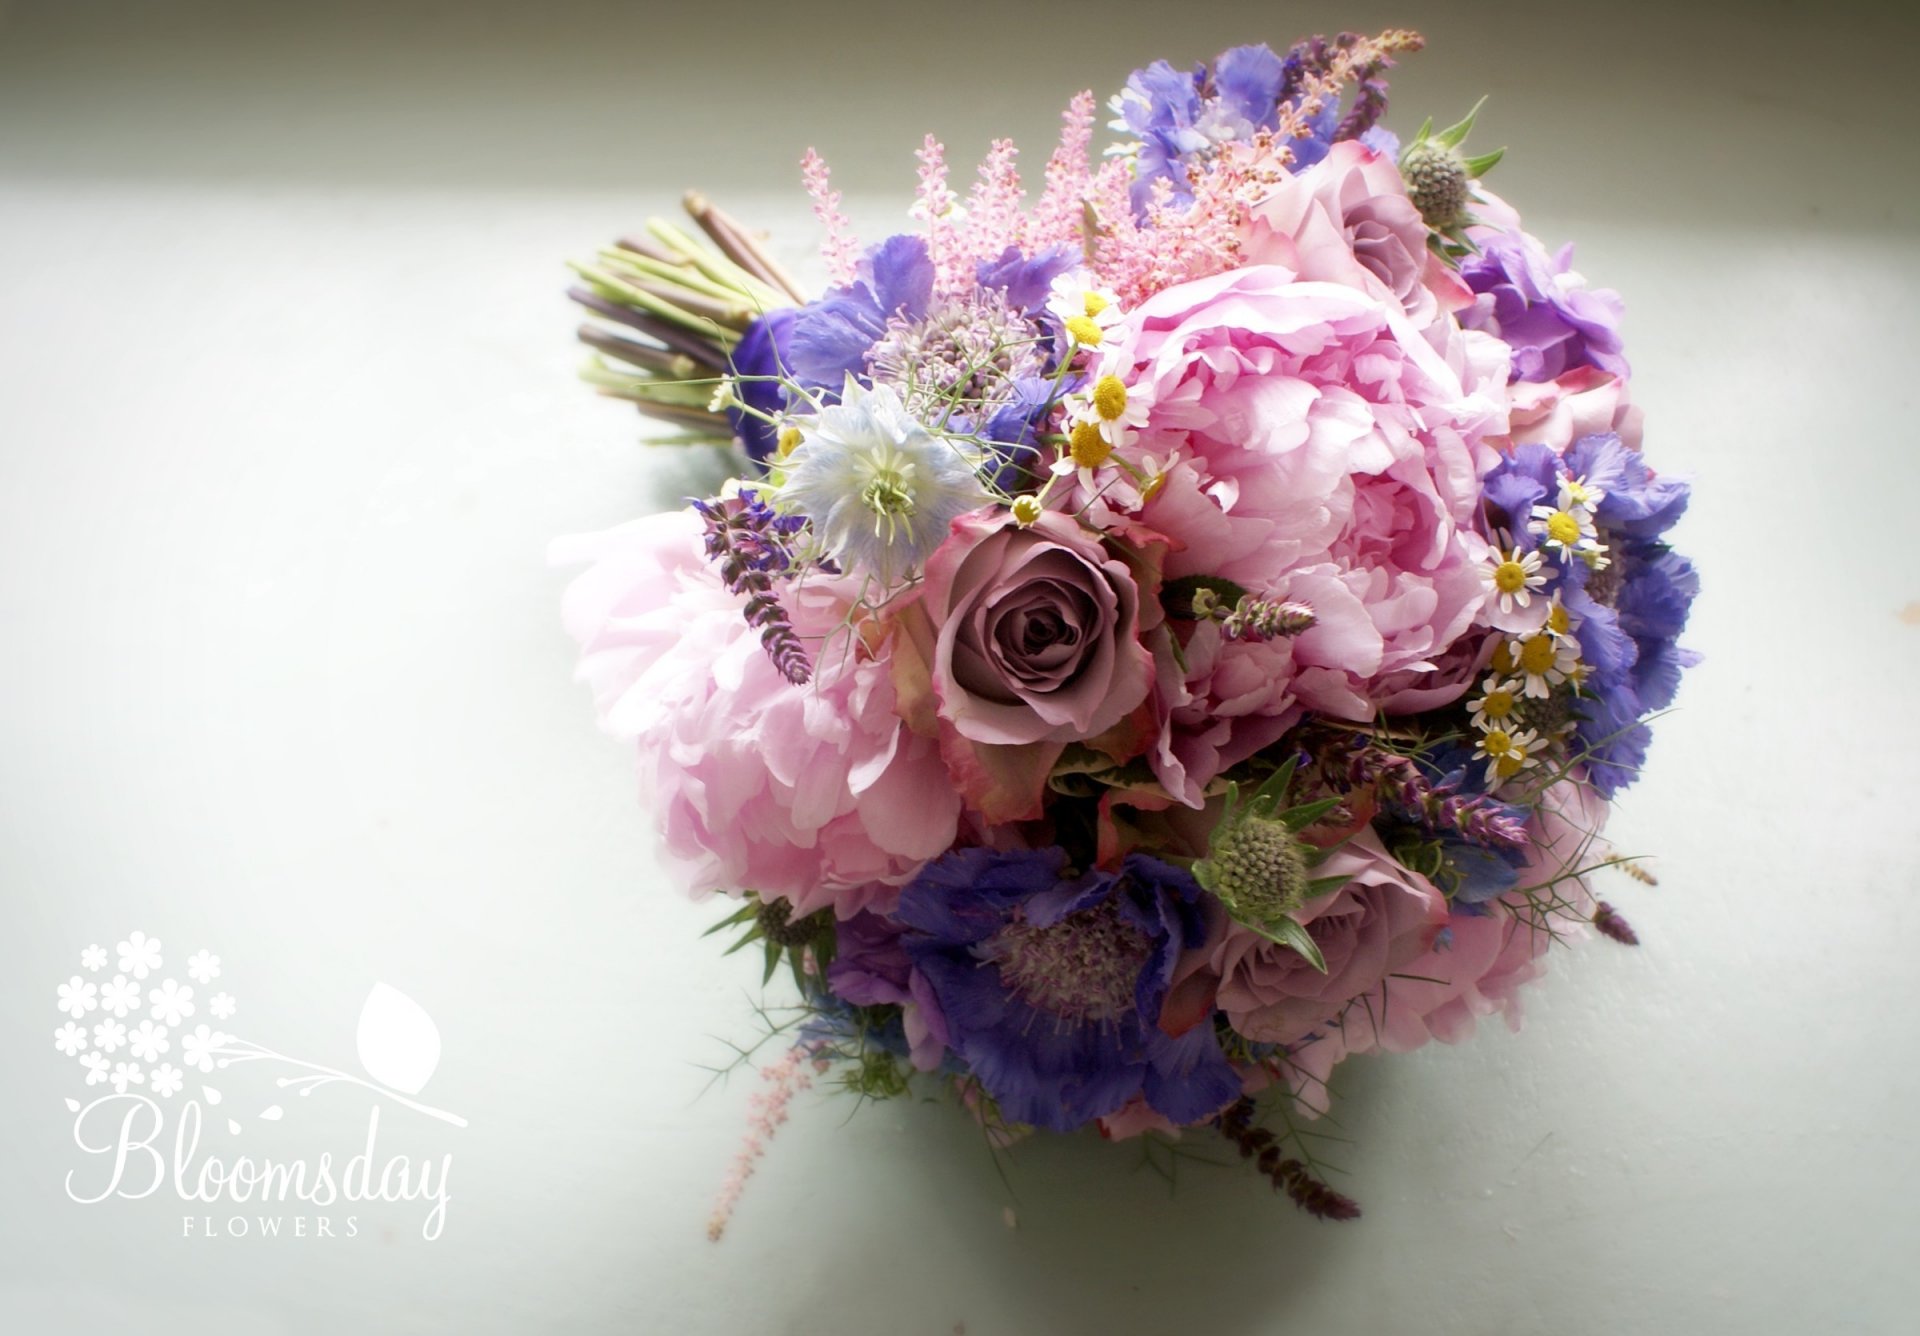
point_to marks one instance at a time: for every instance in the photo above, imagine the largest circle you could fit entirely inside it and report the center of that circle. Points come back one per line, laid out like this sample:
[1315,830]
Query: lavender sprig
[1253,618]
[1610,923]
[1477,817]
[747,539]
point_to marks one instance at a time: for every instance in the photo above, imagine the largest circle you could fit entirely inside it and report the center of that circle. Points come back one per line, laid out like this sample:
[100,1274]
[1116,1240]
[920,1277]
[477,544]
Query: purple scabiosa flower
[1541,308]
[1050,987]
[1630,613]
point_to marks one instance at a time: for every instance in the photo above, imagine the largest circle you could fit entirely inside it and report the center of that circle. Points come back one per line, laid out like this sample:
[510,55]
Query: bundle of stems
[669,310]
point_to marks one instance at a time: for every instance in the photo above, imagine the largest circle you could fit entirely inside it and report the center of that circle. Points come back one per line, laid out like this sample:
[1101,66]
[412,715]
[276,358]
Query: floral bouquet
[1160,641]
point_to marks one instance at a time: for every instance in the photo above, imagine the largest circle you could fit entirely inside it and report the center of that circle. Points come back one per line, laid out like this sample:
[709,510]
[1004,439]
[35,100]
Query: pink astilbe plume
[838,249]
[994,218]
[935,208]
[767,1110]
[1056,218]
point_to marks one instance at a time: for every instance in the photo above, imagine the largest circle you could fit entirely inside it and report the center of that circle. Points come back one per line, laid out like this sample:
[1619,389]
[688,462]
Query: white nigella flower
[1086,312]
[878,488]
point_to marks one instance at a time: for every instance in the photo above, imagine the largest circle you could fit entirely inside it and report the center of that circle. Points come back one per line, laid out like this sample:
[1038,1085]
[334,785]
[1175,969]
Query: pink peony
[1326,452]
[817,793]
[1585,401]
[1384,917]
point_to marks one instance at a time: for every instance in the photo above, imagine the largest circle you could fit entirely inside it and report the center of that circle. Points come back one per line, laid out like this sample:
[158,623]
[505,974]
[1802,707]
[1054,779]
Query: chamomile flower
[1112,411]
[878,487]
[1566,533]
[1542,661]
[1512,576]
[1508,753]
[1578,494]
[1496,704]
[1085,311]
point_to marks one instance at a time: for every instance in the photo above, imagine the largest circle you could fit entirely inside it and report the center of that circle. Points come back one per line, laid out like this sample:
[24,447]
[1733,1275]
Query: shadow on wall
[1712,113]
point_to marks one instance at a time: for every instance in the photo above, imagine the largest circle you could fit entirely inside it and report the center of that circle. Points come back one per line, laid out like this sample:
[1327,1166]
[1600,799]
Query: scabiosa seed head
[1258,868]
[1437,182]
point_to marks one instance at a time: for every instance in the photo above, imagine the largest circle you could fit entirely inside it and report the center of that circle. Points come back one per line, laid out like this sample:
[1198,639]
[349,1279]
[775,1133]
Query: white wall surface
[287,419]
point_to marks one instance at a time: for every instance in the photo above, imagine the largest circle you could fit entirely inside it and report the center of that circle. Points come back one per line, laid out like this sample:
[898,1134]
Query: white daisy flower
[1566,533]
[1084,310]
[879,489]
[1112,409]
[1513,576]
[1499,698]
[1542,661]
[1577,494]
[1507,754]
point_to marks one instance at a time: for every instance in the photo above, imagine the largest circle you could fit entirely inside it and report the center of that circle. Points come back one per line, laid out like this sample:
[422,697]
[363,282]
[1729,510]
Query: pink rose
[1347,219]
[817,793]
[1382,918]
[1477,966]
[1038,631]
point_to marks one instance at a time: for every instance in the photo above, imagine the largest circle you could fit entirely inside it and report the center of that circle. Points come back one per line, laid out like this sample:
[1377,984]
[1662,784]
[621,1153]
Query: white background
[287,419]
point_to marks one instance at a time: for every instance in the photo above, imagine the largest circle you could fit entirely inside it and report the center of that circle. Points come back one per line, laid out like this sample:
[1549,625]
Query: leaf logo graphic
[399,1043]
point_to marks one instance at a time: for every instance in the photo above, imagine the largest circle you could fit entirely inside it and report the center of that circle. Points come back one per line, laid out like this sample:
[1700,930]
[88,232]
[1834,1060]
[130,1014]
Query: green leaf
[743,943]
[1483,163]
[733,919]
[1273,788]
[1176,596]
[1454,135]
[773,962]
[1320,886]
[1299,818]
[1290,934]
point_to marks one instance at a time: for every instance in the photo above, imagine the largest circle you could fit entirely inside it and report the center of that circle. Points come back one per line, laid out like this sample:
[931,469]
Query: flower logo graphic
[397,1042]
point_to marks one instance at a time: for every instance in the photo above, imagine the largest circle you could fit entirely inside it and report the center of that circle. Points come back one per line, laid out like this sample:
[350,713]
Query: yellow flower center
[1563,528]
[1536,654]
[1503,657]
[788,438]
[1090,449]
[1508,766]
[1026,510]
[1498,742]
[1509,577]
[1497,704]
[1109,397]
[1095,303]
[1557,620]
[1084,331]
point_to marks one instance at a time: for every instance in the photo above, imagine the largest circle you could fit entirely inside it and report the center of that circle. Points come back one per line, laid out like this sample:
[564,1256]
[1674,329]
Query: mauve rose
[1038,631]
[1384,916]
[1584,402]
